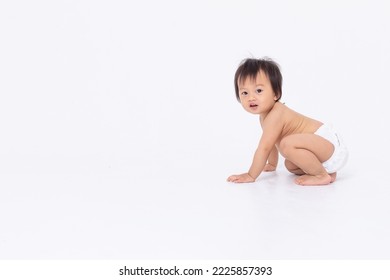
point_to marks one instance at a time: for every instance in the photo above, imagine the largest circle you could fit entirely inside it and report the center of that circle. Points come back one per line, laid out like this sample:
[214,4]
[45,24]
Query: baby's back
[295,122]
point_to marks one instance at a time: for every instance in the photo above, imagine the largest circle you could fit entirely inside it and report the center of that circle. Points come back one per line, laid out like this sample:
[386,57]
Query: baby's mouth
[253,105]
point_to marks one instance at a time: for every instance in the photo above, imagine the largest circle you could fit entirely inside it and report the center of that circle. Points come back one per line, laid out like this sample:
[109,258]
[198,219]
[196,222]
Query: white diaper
[340,154]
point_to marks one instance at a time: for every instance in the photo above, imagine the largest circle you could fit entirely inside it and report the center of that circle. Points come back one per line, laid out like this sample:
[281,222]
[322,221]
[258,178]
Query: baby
[311,149]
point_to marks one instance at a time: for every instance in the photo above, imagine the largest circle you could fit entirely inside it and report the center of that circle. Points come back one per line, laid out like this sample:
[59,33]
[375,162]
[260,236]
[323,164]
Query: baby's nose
[252,96]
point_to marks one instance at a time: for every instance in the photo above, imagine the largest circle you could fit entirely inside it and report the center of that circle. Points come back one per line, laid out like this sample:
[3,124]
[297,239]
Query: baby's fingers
[230,179]
[236,179]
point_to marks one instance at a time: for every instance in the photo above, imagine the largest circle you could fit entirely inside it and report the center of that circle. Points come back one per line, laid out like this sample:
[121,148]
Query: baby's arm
[260,158]
[258,164]
[266,150]
[272,160]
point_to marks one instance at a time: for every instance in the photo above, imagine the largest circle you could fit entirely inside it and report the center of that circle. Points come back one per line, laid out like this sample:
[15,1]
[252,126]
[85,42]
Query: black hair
[250,67]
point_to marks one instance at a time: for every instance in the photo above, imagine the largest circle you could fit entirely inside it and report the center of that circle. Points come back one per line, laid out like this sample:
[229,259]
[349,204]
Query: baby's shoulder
[279,112]
[277,115]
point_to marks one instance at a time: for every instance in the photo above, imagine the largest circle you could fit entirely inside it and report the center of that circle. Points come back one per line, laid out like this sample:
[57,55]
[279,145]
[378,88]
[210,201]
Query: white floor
[118,209]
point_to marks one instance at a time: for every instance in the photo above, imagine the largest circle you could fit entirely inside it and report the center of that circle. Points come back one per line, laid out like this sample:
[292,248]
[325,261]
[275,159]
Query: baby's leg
[297,171]
[293,168]
[307,152]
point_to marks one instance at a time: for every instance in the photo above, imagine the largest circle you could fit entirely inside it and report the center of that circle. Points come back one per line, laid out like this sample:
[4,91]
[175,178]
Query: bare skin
[286,132]
[307,181]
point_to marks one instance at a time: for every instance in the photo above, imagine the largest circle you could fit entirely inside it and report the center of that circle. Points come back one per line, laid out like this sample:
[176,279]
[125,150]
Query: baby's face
[256,95]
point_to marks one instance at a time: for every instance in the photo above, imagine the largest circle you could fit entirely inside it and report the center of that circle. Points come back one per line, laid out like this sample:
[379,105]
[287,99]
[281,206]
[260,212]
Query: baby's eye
[259,90]
[244,93]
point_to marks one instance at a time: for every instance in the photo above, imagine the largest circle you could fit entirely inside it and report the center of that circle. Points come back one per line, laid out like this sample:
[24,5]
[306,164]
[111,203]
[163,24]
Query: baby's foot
[317,180]
[333,176]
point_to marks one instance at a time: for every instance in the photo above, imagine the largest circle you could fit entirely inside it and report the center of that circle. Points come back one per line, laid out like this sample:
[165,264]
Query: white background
[119,127]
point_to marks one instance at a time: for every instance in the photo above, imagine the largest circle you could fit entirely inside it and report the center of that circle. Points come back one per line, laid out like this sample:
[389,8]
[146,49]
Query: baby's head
[251,67]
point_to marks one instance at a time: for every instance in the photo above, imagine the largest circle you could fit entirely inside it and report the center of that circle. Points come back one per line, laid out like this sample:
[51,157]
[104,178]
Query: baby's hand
[242,178]
[269,167]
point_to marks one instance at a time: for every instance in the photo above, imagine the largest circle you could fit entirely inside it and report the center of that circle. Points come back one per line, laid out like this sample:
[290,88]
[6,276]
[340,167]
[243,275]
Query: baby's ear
[278,96]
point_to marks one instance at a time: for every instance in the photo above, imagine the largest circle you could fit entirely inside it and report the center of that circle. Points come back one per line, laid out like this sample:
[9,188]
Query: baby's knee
[291,167]
[285,146]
